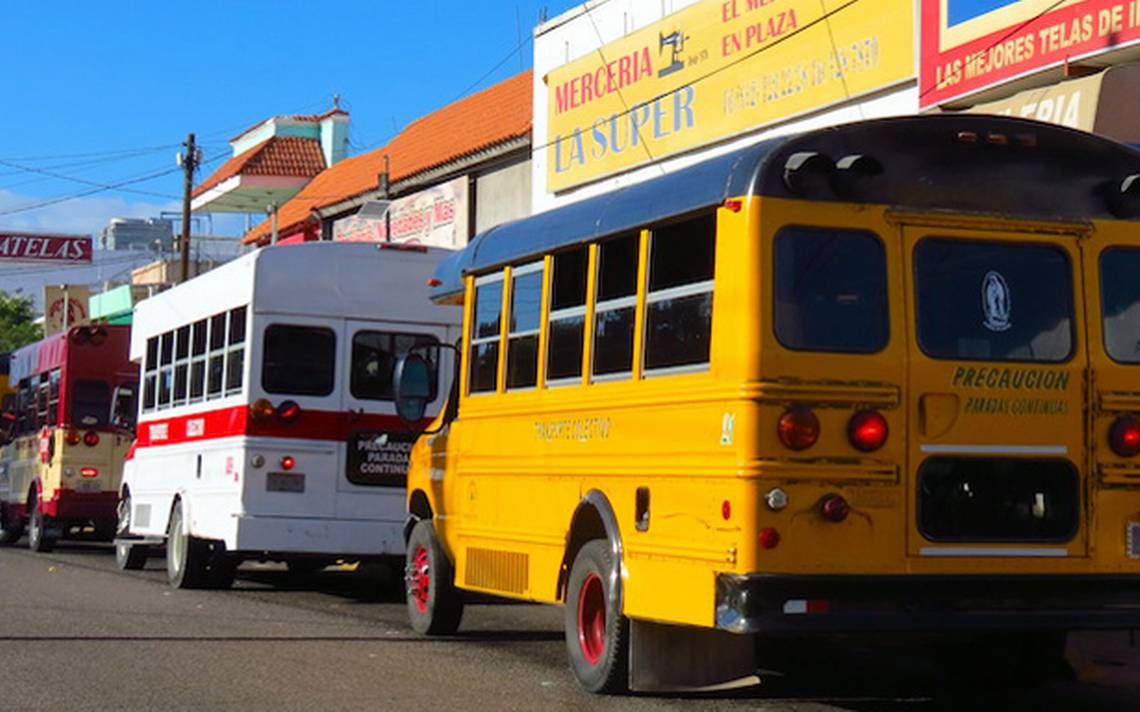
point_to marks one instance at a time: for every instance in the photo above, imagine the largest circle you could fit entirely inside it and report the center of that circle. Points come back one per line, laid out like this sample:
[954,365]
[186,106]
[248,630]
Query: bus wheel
[130,557]
[41,537]
[223,570]
[435,607]
[11,529]
[597,634]
[187,557]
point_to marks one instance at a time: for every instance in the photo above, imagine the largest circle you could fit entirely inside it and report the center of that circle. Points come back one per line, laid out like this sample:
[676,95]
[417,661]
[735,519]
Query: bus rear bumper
[69,504]
[310,535]
[841,604]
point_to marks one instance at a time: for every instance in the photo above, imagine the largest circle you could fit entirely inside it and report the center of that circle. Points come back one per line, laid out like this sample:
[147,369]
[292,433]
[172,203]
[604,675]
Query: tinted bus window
[90,404]
[522,332]
[485,339]
[374,355]
[616,303]
[993,301]
[298,360]
[1120,302]
[567,316]
[678,317]
[831,290]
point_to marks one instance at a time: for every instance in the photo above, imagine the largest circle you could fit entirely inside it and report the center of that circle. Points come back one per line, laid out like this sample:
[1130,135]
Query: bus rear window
[1120,302]
[298,360]
[831,290]
[90,404]
[374,355]
[993,301]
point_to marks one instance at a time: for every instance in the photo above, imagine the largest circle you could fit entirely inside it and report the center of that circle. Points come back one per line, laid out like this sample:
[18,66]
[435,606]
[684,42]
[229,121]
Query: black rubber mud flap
[675,658]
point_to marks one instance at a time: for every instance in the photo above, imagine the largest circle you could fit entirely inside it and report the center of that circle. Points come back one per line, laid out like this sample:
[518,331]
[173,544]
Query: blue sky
[961,10]
[103,91]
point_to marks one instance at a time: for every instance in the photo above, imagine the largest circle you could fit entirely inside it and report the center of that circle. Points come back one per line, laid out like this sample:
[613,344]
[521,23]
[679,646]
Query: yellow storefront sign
[715,69]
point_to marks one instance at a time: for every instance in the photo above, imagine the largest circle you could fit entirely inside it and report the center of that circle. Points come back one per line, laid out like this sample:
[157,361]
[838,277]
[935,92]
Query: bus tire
[223,570]
[41,537]
[187,557]
[435,607]
[130,557]
[11,529]
[597,634]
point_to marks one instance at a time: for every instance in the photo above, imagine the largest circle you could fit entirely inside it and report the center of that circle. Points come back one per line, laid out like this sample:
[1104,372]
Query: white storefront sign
[436,217]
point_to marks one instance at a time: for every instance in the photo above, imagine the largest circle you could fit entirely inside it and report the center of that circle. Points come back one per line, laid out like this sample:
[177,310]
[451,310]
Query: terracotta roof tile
[308,118]
[489,117]
[277,156]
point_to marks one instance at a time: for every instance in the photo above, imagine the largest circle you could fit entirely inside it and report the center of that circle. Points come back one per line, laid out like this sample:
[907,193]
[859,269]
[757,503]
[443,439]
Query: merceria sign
[23,247]
[716,69]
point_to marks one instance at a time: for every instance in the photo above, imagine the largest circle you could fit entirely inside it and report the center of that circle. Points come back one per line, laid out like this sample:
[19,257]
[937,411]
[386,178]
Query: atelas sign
[32,247]
[970,46]
[716,69]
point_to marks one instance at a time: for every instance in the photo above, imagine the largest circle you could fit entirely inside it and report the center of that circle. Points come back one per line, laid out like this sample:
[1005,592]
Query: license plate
[88,486]
[285,482]
[1133,540]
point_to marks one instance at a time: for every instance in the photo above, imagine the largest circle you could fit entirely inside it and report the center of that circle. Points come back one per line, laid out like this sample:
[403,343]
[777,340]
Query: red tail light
[287,462]
[798,428]
[867,430]
[261,409]
[73,437]
[769,538]
[834,508]
[1124,437]
[288,411]
[89,472]
[91,438]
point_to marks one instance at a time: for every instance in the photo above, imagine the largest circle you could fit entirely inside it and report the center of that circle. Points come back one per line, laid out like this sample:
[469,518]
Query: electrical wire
[61,176]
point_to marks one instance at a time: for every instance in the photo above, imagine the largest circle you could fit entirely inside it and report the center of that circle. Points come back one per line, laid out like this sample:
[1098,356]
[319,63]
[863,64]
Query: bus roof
[343,280]
[916,162]
[49,353]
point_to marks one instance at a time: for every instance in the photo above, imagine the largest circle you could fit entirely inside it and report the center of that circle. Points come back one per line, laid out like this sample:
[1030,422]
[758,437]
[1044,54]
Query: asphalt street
[77,634]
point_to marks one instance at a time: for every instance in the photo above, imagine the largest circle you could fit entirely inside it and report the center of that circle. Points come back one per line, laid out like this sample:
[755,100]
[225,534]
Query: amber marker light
[798,428]
[261,409]
[73,437]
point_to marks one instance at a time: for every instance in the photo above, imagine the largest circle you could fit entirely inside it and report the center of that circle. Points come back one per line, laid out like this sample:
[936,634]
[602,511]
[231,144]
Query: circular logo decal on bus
[996,302]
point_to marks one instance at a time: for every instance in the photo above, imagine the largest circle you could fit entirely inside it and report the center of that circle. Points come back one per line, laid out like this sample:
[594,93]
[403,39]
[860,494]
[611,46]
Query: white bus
[266,427]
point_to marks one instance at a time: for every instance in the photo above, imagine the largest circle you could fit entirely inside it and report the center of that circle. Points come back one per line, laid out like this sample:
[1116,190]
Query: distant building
[149,234]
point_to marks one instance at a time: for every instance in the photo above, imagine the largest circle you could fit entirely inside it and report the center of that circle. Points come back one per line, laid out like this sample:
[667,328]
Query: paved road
[76,634]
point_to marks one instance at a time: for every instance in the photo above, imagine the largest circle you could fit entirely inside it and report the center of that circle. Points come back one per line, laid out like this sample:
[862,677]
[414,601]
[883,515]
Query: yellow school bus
[880,377]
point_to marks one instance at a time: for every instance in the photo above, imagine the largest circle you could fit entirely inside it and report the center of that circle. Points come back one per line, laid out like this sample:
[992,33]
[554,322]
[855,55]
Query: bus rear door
[378,441]
[997,448]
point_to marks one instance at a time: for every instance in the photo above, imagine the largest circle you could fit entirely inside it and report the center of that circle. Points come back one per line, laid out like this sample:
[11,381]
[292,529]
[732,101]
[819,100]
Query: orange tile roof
[276,156]
[489,117]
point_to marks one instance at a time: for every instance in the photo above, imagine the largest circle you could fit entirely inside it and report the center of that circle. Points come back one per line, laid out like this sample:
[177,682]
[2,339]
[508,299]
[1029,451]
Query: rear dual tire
[597,634]
[41,535]
[128,556]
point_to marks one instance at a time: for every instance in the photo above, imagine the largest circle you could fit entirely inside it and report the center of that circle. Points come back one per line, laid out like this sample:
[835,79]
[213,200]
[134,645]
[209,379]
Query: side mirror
[123,408]
[411,379]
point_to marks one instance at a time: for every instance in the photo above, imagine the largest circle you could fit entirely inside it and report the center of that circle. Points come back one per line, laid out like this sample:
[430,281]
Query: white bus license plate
[285,482]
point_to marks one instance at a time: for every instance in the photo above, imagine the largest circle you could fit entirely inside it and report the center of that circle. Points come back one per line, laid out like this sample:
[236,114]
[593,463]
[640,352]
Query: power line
[91,154]
[83,181]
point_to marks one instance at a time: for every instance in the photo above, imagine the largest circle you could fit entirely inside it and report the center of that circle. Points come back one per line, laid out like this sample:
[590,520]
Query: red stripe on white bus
[236,420]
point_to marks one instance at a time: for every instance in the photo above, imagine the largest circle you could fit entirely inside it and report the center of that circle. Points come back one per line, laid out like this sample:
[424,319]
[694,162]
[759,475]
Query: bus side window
[485,333]
[523,327]
[53,397]
[150,375]
[181,364]
[678,318]
[616,304]
[235,355]
[216,370]
[566,335]
[166,370]
[198,361]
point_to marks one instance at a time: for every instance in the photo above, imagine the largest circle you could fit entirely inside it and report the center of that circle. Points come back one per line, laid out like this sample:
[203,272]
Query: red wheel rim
[592,619]
[420,583]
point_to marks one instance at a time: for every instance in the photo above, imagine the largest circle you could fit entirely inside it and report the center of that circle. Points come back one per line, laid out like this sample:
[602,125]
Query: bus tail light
[834,508]
[91,438]
[769,538]
[288,411]
[287,462]
[89,472]
[1124,437]
[73,437]
[798,428]
[867,430]
[261,409]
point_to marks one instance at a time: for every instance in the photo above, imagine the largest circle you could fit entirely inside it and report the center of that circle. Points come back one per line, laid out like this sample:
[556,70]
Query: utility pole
[189,163]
